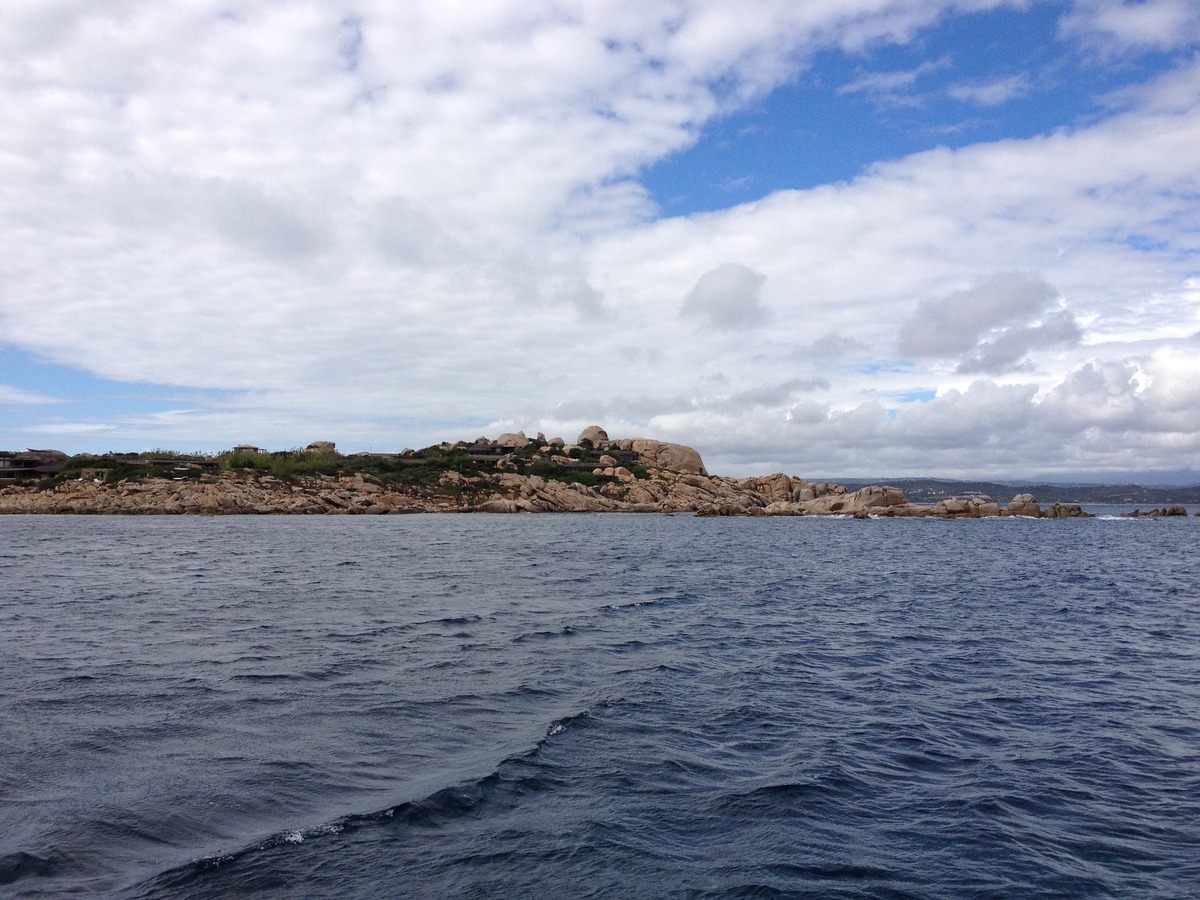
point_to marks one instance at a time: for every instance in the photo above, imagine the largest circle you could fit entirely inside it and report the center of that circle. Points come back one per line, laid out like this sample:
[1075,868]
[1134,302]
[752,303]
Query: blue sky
[860,237]
[830,121]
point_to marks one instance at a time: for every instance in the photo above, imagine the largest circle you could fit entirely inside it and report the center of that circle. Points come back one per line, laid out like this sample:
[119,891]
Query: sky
[833,238]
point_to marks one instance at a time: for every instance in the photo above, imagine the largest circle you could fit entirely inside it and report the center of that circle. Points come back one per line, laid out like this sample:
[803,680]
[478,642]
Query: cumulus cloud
[1101,395]
[1007,351]
[999,308]
[1096,419]
[727,297]
[954,323]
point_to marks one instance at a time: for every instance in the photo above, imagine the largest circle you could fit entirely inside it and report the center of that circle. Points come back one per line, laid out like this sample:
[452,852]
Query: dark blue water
[607,706]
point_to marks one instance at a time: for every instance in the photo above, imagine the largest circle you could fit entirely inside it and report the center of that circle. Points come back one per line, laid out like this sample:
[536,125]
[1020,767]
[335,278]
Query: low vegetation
[122,466]
[423,467]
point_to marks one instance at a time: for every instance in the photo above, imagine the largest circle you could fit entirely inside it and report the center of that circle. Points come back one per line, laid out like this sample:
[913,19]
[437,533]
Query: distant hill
[931,490]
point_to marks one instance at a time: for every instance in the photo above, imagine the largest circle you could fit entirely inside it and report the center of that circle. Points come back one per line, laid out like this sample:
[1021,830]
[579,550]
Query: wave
[506,787]
[20,865]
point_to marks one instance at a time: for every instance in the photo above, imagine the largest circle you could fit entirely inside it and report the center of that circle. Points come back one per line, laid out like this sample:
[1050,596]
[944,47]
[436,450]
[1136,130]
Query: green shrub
[545,468]
[76,464]
[123,471]
[242,459]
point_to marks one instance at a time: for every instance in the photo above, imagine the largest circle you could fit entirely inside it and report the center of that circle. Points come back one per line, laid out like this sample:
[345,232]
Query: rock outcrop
[593,434]
[513,440]
[675,457]
[1065,511]
[1164,511]
[1024,505]
[620,490]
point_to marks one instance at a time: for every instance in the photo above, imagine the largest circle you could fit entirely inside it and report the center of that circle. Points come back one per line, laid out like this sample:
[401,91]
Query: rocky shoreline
[663,491]
[512,474]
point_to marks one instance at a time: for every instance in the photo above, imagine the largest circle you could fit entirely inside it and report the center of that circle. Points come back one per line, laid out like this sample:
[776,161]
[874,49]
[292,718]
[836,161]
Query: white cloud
[991,93]
[1095,420]
[1121,25]
[344,178]
[1007,353]
[892,87]
[1015,312]
[15,396]
[727,297]
[1101,213]
[954,323]
[70,428]
[387,224]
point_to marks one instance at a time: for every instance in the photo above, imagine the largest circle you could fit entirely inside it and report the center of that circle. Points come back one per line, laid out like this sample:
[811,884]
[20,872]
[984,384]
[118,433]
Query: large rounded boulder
[509,439]
[593,434]
[664,455]
[1024,505]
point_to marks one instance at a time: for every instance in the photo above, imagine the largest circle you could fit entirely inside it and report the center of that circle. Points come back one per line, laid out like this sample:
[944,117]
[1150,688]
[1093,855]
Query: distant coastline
[930,490]
[509,474]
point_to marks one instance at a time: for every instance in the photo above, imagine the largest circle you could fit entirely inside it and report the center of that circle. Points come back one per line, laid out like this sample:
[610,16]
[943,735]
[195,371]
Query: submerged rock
[1066,511]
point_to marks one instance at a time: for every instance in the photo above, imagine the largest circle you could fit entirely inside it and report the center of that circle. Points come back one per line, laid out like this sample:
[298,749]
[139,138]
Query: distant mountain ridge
[931,490]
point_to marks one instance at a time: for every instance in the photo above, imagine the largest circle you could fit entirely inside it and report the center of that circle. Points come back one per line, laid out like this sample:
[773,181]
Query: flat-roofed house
[32,463]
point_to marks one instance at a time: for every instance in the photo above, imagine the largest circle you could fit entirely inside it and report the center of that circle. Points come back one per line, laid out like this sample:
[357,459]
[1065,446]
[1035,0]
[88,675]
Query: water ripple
[594,706]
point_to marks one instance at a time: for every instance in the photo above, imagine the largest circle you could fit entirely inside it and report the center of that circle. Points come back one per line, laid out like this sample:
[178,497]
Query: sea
[599,705]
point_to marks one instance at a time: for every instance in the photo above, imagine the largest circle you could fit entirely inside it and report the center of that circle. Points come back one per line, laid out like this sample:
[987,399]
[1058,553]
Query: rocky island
[510,474]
